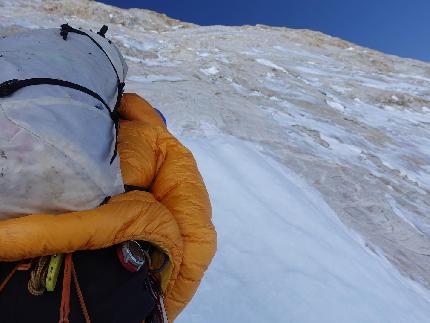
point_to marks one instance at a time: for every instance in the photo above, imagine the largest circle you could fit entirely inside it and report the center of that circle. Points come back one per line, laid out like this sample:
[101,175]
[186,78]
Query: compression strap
[10,87]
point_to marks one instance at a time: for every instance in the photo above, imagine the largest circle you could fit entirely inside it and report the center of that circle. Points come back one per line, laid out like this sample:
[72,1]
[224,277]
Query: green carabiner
[53,271]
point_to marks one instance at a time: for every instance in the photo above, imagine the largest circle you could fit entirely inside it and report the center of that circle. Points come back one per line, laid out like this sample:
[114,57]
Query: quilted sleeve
[179,186]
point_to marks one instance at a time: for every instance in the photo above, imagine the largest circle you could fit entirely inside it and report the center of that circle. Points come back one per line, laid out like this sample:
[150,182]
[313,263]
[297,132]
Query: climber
[133,253]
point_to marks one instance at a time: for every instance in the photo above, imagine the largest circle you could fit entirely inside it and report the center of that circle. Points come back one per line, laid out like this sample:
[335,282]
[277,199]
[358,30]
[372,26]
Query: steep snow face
[283,255]
[351,122]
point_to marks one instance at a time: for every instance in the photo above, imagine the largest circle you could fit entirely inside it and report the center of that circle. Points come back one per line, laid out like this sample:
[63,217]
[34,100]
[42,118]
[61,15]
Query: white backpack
[59,89]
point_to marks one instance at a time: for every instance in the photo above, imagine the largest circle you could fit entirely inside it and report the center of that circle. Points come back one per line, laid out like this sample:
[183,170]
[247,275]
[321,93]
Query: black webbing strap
[115,117]
[10,87]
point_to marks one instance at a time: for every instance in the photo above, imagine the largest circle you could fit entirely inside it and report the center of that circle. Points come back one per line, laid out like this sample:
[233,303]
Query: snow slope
[283,254]
[294,130]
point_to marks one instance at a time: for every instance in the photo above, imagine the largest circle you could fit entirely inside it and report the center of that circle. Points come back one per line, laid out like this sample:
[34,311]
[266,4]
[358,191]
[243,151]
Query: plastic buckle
[103,31]
[65,29]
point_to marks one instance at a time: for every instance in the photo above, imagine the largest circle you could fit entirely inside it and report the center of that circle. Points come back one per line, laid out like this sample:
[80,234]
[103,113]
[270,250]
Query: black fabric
[129,188]
[112,294]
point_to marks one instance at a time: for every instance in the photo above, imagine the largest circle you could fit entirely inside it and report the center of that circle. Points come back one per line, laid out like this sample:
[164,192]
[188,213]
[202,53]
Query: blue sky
[397,27]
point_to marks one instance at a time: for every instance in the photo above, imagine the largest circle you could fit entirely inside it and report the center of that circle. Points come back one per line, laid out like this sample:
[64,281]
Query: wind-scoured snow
[311,129]
[209,71]
[268,63]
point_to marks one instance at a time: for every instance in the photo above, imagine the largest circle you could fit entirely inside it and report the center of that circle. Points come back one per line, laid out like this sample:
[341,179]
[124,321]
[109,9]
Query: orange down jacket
[174,213]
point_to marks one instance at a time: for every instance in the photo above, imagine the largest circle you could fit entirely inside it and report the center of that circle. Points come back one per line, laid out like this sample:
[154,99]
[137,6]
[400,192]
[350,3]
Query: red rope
[80,295]
[65,296]
[8,278]
[19,267]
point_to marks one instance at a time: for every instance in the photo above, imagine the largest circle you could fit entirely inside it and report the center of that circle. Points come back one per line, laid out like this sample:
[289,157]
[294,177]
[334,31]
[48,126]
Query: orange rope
[65,296]
[69,270]
[8,278]
[25,266]
[80,295]
[19,267]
